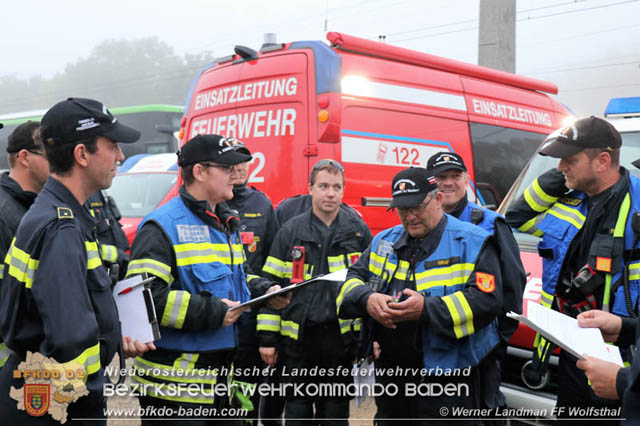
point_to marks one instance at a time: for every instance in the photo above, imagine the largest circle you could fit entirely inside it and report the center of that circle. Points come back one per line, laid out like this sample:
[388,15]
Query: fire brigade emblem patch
[353,258]
[603,264]
[36,399]
[485,282]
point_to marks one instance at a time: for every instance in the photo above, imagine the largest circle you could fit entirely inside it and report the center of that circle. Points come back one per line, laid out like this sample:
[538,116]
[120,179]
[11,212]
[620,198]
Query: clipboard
[136,309]
[337,276]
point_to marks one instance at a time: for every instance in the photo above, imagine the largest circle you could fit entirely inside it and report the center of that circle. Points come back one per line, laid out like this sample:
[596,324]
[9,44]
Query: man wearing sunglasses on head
[192,246]
[308,333]
[432,291]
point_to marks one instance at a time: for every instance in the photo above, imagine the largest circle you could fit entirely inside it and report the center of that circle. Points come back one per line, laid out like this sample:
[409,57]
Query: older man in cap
[432,290]
[586,213]
[55,298]
[191,245]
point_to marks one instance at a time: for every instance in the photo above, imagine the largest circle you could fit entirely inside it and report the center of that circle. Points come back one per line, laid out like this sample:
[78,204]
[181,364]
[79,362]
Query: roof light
[628,107]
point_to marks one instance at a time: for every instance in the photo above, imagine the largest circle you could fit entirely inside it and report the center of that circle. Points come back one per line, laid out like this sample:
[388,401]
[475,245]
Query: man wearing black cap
[28,171]
[452,178]
[55,298]
[192,246]
[585,212]
[432,291]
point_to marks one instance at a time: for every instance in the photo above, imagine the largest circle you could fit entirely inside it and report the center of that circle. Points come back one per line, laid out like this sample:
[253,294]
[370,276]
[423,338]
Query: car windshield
[539,164]
[137,194]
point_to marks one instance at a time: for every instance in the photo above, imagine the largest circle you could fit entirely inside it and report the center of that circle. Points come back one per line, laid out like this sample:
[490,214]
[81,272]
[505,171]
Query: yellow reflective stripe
[175,310]
[376,262]
[345,325]
[108,252]
[345,289]
[537,199]
[546,299]
[171,373]
[461,314]
[93,256]
[634,271]
[531,226]
[289,329]
[568,214]
[150,266]
[251,277]
[186,361]
[277,267]
[89,358]
[1,271]
[21,266]
[336,263]
[449,276]
[4,354]
[268,322]
[195,253]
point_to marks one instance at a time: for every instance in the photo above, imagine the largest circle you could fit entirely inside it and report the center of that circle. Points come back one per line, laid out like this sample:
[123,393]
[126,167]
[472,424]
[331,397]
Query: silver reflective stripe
[463,316]
[187,360]
[1,271]
[283,270]
[272,323]
[536,198]
[92,254]
[20,265]
[175,309]
[568,212]
[336,265]
[289,330]
[4,353]
[546,299]
[202,253]
[450,276]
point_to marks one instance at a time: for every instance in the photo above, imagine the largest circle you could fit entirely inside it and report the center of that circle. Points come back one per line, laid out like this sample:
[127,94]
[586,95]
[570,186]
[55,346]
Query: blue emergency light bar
[623,106]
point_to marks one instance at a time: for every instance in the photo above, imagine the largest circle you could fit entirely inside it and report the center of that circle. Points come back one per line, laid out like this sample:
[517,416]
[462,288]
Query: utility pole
[497,35]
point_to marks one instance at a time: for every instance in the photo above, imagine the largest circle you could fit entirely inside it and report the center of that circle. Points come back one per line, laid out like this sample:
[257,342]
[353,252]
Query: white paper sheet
[132,310]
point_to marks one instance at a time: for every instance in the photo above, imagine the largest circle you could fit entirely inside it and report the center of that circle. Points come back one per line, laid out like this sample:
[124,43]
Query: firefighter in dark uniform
[586,212]
[433,287]
[451,175]
[113,242]
[609,380]
[56,294]
[19,186]
[258,226]
[298,204]
[308,333]
[192,246]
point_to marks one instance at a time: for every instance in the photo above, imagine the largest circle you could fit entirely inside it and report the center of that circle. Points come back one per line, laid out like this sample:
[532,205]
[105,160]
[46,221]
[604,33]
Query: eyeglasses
[35,152]
[225,168]
[418,210]
[320,164]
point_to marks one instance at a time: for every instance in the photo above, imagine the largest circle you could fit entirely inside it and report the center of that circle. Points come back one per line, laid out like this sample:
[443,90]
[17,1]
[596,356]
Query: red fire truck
[375,108]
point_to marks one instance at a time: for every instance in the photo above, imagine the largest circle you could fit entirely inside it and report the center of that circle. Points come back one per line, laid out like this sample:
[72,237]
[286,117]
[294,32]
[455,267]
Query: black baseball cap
[239,146]
[443,161]
[590,132]
[213,148]
[79,118]
[22,138]
[410,187]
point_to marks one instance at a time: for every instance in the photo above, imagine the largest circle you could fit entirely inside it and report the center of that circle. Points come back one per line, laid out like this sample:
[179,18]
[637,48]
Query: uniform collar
[68,200]
[14,189]
[459,208]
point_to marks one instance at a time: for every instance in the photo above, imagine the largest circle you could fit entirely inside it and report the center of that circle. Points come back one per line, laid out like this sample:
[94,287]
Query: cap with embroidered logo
[590,132]
[213,148]
[443,161]
[75,119]
[410,187]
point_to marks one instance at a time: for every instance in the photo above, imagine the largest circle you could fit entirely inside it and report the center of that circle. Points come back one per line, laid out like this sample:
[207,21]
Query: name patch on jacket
[570,201]
[428,264]
[193,233]
[485,282]
[385,248]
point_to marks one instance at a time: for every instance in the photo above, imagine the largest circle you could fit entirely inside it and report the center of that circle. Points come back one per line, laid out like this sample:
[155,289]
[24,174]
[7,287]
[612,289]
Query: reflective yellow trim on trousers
[568,214]
[20,265]
[345,289]
[195,253]
[268,322]
[289,329]
[150,266]
[175,310]
[170,373]
[93,255]
[449,276]
[537,199]
[461,314]
[89,358]
[109,253]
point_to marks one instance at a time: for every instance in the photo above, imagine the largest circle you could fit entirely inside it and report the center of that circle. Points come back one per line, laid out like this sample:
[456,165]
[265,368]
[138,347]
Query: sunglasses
[320,164]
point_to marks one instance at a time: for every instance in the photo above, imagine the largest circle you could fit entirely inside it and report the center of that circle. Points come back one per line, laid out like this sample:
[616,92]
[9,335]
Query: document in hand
[136,309]
[565,332]
[337,276]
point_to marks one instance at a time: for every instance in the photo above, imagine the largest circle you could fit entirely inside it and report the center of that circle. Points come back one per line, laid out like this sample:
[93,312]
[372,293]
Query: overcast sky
[589,48]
